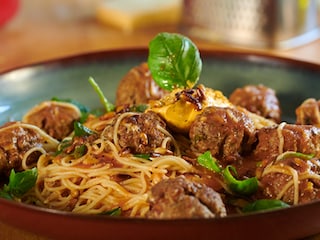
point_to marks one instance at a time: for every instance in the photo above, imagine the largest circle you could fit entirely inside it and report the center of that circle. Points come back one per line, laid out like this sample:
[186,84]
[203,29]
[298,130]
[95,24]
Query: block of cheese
[135,14]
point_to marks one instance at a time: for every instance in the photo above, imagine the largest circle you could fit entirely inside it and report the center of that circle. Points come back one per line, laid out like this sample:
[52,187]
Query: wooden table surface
[38,34]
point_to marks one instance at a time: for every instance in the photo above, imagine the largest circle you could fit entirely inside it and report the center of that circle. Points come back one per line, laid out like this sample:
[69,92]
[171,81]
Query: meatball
[258,99]
[287,137]
[138,87]
[274,183]
[308,112]
[138,132]
[225,132]
[16,139]
[181,198]
[55,118]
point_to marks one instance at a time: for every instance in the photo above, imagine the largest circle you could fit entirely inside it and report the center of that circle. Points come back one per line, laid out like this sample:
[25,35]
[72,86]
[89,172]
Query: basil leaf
[264,204]
[174,61]
[80,130]
[5,194]
[97,112]
[206,160]
[113,212]
[19,183]
[107,105]
[79,151]
[139,108]
[143,155]
[242,187]
[65,143]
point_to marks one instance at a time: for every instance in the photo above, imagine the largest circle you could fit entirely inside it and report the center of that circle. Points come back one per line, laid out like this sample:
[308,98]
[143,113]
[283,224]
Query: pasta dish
[181,151]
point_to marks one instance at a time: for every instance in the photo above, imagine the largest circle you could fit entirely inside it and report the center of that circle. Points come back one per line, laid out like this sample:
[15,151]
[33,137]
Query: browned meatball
[309,112]
[225,132]
[138,132]
[138,87]
[16,139]
[258,99]
[55,118]
[274,182]
[181,198]
[287,137]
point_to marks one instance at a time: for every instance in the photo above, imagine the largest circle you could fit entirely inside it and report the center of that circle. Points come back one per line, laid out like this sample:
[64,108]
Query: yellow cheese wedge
[135,14]
[179,114]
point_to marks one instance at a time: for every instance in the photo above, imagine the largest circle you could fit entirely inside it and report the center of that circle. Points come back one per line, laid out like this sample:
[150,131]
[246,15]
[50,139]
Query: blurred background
[38,30]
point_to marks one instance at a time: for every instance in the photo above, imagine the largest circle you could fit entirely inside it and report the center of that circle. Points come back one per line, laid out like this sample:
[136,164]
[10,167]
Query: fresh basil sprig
[206,160]
[107,105]
[81,130]
[174,61]
[242,187]
[19,183]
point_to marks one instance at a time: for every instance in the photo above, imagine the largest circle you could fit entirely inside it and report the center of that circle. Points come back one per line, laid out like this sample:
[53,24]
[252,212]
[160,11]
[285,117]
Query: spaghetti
[104,178]
[124,154]
[294,176]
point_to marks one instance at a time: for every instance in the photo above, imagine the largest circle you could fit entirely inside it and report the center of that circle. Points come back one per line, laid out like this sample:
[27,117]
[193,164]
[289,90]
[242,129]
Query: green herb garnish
[80,150]
[139,108]
[206,160]
[143,155]
[107,105]
[65,143]
[174,61]
[113,212]
[19,183]
[264,204]
[80,130]
[242,187]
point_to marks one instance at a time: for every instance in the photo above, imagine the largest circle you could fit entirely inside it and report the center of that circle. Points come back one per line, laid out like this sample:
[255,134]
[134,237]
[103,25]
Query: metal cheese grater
[253,23]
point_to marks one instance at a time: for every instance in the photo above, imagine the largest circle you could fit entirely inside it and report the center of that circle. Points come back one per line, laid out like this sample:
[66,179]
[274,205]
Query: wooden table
[37,34]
